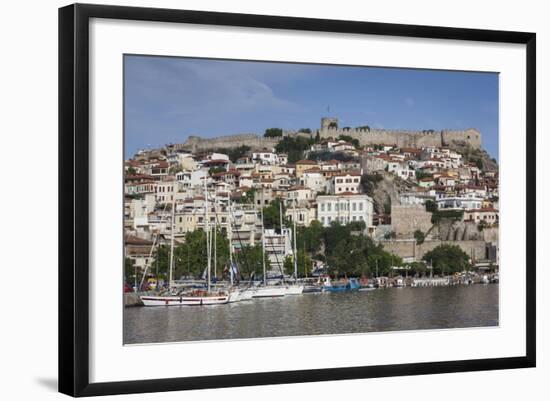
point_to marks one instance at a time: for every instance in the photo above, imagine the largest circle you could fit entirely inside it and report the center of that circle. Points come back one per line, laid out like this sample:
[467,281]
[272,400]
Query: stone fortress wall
[195,143]
[401,138]
[329,129]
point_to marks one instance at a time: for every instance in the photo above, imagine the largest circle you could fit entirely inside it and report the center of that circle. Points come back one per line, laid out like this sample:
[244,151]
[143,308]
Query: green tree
[129,271]
[272,215]
[420,175]
[482,225]
[431,206]
[348,138]
[304,263]
[294,147]
[417,268]
[305,130]
[419,236]
[311,237]
[249,261]
[447,259]
[273,132]
[215,170]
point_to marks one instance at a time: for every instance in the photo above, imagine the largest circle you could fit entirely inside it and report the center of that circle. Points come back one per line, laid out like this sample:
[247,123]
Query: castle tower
[328,123]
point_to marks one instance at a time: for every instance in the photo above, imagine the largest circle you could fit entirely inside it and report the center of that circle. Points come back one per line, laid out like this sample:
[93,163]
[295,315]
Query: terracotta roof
[133,240]
[139,177]
[310,162]
[160,164]
[312,170]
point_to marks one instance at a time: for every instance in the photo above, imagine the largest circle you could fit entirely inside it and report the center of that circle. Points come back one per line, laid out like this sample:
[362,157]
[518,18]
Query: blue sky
[167,99]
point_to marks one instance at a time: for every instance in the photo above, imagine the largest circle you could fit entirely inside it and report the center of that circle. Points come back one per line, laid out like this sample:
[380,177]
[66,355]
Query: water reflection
[310,314]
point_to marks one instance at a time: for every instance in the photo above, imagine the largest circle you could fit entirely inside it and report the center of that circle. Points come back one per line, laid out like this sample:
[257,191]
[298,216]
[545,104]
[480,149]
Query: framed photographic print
[251,199]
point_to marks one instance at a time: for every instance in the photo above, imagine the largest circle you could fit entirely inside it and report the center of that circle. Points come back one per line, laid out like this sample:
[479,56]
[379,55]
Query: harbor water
[388,309]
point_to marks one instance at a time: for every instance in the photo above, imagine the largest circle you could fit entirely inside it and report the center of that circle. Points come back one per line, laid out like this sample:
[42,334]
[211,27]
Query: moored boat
[294,289]
[269,291]
[347,284]
[185,299]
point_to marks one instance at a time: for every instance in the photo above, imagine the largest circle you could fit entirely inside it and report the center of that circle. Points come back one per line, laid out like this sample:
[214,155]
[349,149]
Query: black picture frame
[74,198]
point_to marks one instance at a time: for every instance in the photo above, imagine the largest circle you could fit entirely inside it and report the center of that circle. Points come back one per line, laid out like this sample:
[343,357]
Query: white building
[345,208]
[459,203]
[401,169]
[191,179]
[314,180]
[266,157]
[304,214]
[347,182]
[165,191]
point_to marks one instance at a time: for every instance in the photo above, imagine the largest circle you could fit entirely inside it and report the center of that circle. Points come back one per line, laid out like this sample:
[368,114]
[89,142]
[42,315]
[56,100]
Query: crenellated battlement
[195,143]
[329,129]
[402,138]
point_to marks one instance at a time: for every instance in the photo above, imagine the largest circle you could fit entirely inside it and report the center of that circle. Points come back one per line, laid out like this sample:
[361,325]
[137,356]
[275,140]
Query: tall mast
[207,230]
[230,235]
[295,248]
[283,237]
[263,237]
[215,236]
[172,229]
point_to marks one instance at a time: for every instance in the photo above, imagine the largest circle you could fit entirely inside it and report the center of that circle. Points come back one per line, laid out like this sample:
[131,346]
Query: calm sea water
[310,314]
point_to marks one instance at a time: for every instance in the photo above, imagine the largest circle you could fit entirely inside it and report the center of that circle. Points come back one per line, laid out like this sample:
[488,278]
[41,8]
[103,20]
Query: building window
[360,205]
[354,207]
[322,207]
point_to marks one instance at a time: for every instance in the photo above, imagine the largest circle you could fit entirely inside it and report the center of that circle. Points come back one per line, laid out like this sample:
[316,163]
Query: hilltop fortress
[330,129]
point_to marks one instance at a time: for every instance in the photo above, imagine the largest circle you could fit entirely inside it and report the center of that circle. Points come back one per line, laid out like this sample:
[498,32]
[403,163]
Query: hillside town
[408,200]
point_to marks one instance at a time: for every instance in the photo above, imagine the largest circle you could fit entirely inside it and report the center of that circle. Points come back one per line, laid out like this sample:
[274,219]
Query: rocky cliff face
[385,190]
[448,230]
[478,156]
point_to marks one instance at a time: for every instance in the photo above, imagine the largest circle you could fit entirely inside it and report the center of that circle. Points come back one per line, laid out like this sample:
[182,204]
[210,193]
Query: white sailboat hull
[152,300]
[294,289]
[269,292]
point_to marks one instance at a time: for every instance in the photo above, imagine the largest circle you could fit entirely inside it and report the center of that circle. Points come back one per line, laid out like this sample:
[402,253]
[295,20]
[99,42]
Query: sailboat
[236,294]
[295,288]
[194,297]
[265,290]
